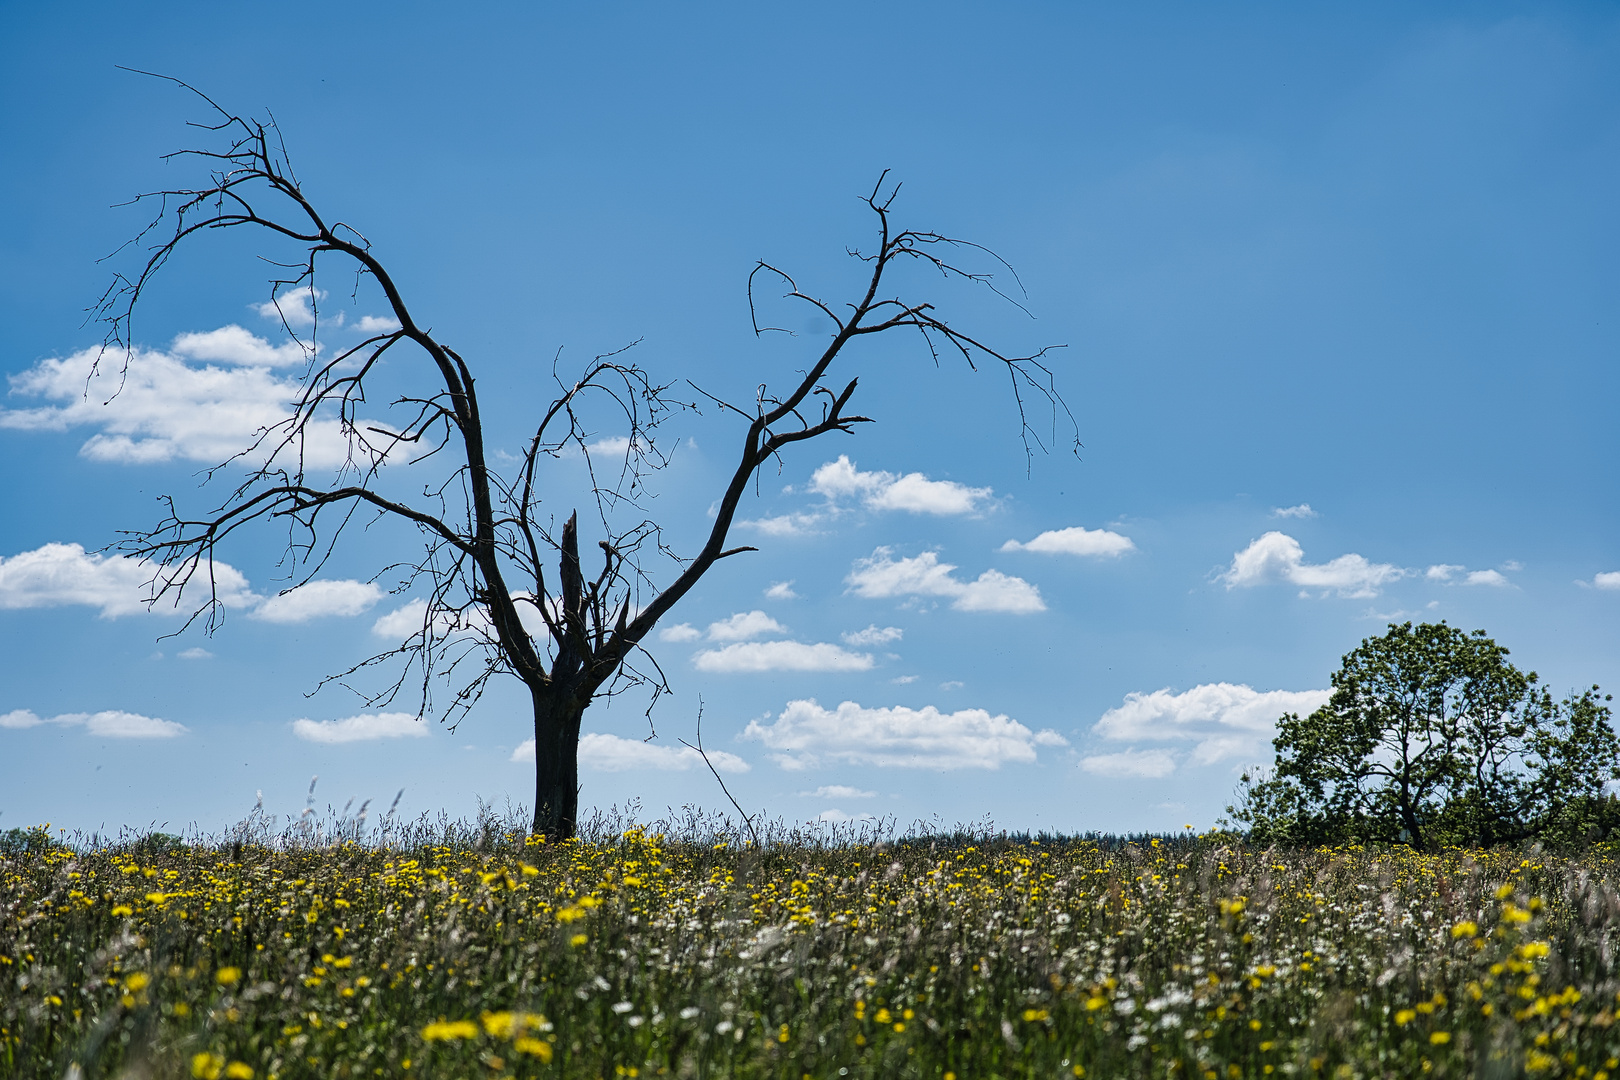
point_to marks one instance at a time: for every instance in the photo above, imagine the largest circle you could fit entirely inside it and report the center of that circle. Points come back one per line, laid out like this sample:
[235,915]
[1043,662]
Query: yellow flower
[137,981]
[1439,1038]
[225,976]
[123,909]
[497,1025]
[536,1047]
[577,940]
[1095,1003]
[1404,1017]
[206,1066]
[1466,928]
[1034,1016]
[448,1031]
[882,1016]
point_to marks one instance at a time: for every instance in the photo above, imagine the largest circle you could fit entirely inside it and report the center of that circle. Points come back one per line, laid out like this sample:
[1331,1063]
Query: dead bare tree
[486,544]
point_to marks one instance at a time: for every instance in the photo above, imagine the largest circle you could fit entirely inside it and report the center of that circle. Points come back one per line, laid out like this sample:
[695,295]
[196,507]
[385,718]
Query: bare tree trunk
[556,762]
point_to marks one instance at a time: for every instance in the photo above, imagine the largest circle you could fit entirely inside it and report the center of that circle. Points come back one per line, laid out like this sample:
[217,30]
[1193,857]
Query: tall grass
[437,948]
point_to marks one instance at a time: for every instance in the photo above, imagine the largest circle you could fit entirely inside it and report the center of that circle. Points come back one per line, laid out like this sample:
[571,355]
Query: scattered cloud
[913,492]
[1448,573]
[781,590]
[1277,557]
[111,724]
[881,576]
[785,525]
[374,324]
[159,407]
[366,727]
[319,598]
[781,656]
[680,632]
[59,575]
[1222,720]
[902,680]
[1075,541]
[295,307]
[609,753]
[838,791]
[196,653]
[1608,580]
[1131,764]
[1303,510]
[873,635]
[234,345]
[744,625]
[837,817]
[408,619]
[805,735]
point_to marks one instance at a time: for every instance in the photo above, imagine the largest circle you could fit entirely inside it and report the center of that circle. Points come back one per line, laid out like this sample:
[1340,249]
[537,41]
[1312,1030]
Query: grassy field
[476,953]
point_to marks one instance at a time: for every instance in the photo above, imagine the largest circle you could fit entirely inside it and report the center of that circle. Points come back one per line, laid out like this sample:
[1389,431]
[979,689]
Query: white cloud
[406,621]
[1075,541]
[161,408]
[888,491]
[196,653]
[1447,573]
[318,598]
[110,724]
[58,575]
[372,324]
[366,727]
[1487,577]
[1443,571]
[679,633]
[873,635]
[1224,720]
[234,345]
[781,656]
[785,525]
[609,753]
[126,725]
[295,307]
[805,734]
[836,816]
[744,625]
[1303,510]
[781,590]
[838,791]
[1136,764]
[1607,580]
[882,576]
[1277,557]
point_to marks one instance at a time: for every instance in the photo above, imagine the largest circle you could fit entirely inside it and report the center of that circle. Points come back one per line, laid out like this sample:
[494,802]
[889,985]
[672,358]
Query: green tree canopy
[1433,737]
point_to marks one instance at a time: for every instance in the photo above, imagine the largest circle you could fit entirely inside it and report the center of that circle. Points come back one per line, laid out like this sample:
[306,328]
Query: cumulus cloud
[1608,580]
[873,635]
[373,324]
[295,307]
[679,633]
[367,727]
[196,653]
[781,590]
[1222,720]
[805,735]
[319,598]
[838,817]
[1452,574]
[408,619]
[1075,541]
[1303,510]
[59,575]
[838,791]
[609,753]
[748,656]
[1133,764]
[913,492]
[881,576]
[744,625]
[796,524]
[1277,557]
[162,407]
[110,724]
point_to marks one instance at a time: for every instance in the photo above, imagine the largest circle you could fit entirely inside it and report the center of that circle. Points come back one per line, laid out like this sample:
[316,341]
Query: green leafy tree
[1433,737]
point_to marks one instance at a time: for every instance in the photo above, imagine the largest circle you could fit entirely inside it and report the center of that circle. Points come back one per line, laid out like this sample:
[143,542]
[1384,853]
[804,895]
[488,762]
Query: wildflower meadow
[664,951]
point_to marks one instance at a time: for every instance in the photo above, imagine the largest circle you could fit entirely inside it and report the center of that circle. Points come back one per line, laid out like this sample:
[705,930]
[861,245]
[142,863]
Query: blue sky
[1337,284]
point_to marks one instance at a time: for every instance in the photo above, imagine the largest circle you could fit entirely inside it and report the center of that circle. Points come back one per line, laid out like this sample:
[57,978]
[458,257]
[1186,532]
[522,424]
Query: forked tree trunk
[556,762]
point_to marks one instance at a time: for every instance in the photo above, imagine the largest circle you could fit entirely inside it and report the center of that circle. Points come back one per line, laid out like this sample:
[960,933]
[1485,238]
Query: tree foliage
[1432,737]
